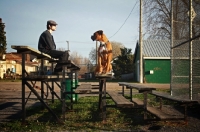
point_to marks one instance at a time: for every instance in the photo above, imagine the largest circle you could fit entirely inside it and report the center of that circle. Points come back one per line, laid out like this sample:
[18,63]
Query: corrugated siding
[156,48]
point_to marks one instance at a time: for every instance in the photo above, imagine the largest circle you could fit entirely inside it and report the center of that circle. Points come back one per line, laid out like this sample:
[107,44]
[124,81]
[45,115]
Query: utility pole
[67,45]
[141,44]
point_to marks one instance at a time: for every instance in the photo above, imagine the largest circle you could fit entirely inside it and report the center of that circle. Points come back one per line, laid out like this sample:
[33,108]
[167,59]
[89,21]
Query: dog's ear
[100,32]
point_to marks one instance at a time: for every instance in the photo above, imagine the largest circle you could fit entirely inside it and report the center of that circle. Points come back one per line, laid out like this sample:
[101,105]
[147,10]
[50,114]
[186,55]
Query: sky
[77,20]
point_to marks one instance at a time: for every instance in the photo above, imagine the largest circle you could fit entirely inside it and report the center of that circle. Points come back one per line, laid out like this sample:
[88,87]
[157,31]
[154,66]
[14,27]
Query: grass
[84,116]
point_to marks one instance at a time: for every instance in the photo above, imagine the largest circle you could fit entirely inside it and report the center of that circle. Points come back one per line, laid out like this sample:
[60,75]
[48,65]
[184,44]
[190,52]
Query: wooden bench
[29,50]
[161,115]
[84,89]
[120,101]
[26,78]
[182,101]
[158,112]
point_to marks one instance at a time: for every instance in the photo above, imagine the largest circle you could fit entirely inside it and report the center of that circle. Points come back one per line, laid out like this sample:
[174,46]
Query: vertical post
[172,44]
[122,90]
[76,84]
[23,88]
[52,85]
[63,86]
[100,92]
[104,100]
[145,105]
[141,45]
[42,83]
[67,45]
[72,86]
[190,51]
[96,53]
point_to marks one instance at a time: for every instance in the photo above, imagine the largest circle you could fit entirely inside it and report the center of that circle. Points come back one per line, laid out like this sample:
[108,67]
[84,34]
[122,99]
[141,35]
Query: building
[12,65]
[156,61]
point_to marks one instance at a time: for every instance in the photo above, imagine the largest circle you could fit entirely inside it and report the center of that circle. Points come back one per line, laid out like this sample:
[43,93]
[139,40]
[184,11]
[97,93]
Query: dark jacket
[46,42]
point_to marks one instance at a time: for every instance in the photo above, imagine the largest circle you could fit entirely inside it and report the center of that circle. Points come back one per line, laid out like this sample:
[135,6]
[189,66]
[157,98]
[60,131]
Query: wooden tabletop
[103,75]
[140,87]
[29,50]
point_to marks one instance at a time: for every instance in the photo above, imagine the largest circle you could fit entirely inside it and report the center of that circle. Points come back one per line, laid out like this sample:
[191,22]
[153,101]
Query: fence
[185,49]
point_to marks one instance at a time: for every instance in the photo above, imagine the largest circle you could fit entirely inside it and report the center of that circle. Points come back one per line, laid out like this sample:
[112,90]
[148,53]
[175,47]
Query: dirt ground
[10,107]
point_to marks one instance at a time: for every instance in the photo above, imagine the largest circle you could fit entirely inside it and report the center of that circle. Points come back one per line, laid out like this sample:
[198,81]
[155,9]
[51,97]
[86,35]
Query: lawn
[84,116]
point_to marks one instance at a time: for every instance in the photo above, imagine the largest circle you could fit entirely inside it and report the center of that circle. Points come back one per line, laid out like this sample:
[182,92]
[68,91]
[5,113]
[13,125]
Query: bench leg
[160,103]
[104,101]
[100,92]
[102,98]
[123,90]
[145,105]
[131,94]
[185,114]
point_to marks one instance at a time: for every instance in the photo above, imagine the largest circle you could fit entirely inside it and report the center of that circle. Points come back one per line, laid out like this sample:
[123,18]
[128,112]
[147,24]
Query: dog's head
[97,35]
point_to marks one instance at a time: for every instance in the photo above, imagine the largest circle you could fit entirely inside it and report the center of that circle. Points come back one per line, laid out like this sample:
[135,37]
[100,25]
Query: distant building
[12,64]
[156,61]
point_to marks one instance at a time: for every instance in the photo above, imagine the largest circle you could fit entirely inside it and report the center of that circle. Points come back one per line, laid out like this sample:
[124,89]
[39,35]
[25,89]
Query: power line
[124,21]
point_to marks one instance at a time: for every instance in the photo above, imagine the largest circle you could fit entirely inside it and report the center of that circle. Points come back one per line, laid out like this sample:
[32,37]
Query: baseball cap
[51,22]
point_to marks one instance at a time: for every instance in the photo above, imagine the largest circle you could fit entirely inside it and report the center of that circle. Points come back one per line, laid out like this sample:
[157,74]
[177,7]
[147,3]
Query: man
[47,45]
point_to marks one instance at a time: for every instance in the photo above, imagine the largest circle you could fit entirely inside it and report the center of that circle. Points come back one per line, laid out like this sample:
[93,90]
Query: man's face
[53,27]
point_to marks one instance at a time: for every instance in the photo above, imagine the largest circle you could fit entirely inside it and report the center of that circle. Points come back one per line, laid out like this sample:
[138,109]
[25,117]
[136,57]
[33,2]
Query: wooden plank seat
[84,89]
[120,101]
[139,103]
[161,115]
[182,101]
[173,98]
[70,64]
[95,86]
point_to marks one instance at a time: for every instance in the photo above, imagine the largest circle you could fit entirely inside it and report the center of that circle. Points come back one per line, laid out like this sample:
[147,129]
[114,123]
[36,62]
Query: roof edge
[167,58]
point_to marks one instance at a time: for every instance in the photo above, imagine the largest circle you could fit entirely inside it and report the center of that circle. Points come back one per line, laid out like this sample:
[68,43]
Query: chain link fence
[185,49]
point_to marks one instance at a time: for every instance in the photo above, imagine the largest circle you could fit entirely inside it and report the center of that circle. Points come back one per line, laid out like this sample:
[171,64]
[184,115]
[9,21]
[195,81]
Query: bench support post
[102,97]
[123,90]
[145,105]
[23,88]
[161,103]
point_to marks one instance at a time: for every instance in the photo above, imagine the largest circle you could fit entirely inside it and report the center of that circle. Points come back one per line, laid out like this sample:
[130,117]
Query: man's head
[51,25]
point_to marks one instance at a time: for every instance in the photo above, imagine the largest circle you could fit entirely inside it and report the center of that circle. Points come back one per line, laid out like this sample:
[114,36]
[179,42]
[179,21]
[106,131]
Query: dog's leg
[109,66]
[99,67]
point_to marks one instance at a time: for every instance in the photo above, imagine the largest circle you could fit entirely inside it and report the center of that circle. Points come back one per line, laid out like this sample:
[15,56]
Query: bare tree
[157,18]
[81,62]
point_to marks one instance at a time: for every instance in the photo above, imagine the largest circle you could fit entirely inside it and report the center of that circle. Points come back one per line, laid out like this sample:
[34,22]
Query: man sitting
[47,45]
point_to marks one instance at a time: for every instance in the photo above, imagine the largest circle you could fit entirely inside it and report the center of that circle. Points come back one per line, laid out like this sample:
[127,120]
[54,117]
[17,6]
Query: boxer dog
[104,53]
